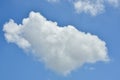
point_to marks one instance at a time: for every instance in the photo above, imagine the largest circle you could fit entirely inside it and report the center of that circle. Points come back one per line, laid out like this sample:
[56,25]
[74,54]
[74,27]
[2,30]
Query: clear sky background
[16,65]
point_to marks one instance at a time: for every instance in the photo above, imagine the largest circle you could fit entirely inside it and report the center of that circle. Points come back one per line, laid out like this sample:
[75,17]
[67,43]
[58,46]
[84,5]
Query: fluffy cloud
[62,49]
[92,7]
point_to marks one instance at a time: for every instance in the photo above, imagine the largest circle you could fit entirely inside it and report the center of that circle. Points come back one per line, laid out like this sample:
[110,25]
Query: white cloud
[88,6]
[92,7]
[62,49]
[13,30]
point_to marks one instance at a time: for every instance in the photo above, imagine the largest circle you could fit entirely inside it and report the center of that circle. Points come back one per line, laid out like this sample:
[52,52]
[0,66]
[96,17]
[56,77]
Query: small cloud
[87,6]
[62,49]
[53,0]
[89,68]
[114,3]
[92,7]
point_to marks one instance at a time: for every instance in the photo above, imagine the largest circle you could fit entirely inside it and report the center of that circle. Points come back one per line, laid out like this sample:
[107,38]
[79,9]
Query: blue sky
[16,65]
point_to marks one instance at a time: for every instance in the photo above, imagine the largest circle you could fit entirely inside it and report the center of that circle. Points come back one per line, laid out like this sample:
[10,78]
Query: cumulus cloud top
[92,7]
[62,49]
